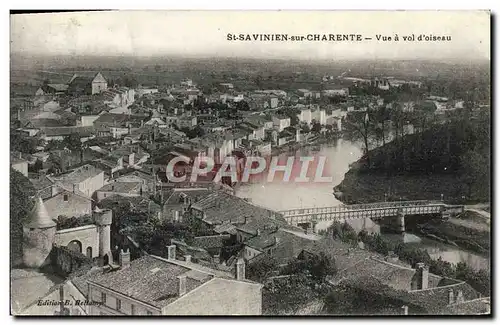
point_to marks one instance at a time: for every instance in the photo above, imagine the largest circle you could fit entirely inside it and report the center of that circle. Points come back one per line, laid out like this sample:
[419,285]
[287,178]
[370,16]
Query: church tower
[38,236]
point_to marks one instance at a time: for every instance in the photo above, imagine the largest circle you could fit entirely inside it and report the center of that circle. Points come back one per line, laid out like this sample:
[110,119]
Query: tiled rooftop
[77,175]
[220,206]
[151,280]
[121,187]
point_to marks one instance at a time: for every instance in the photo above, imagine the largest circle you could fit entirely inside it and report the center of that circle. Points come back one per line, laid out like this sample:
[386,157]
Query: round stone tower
[39,233]
[103,219]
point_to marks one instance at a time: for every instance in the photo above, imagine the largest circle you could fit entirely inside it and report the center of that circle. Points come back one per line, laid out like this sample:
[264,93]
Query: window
[118,304]
[103,298]
[65,197]
[132,309]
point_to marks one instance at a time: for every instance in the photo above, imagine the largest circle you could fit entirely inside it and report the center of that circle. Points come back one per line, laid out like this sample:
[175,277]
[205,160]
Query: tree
[21,203]
[73,142]
[322,267]
[261,269]
[316,127]
[304,127]
[24,144]
[474,166]
[360,125]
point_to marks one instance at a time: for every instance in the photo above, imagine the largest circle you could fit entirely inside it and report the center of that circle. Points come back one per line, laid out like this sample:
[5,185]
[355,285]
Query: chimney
[182,285]
[391,257]
[404,310]
[422,276]
[187,258]
[217,258]
[245,222]
[460,297]
[176,216]
[240,269]
[450,297]
[20,155]
[75,188]
[171,252]
[258,232]
[124,258]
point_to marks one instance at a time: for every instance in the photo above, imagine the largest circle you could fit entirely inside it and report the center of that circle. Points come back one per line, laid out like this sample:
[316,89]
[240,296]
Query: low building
[125,189]
[281,122]
[86,179]
[153,285]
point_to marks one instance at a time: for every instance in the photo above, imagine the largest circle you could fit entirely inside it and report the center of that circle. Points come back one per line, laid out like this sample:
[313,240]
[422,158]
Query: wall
[250,252]
[90,185]
[219,297]
[87,235]
[109,308]
[89,120]
[37,244]
[99,86]
[75,206]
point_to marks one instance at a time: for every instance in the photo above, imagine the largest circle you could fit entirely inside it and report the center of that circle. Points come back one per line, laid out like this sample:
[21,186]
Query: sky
[204,33]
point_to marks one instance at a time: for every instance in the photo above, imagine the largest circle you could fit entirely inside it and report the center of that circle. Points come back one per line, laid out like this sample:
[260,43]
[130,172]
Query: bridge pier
[400,222]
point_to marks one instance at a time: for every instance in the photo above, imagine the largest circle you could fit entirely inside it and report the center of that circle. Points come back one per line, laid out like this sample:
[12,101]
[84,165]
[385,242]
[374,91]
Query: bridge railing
[339,208]
[368,213]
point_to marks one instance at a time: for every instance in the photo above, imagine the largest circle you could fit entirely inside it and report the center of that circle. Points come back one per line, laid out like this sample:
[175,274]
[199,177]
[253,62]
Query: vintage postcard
[250,163]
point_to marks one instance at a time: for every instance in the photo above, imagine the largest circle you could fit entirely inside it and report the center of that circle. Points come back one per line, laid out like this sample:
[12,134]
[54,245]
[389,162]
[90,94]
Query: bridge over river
[376,211]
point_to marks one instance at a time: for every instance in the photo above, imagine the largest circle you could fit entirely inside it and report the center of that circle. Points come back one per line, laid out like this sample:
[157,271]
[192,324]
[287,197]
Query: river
[281,196]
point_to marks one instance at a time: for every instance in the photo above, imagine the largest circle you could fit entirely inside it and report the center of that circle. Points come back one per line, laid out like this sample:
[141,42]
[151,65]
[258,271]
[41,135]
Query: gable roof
[220,206]
[151,280]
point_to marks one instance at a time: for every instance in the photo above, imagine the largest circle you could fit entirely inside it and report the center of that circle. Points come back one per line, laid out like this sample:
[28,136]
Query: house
[281,122]
[282,242]
[110,120]
[305,115]
[121,97]
[344,92]
[19,164]
[319,115]
[304,93]
[147,178]
[257,130]
[264,120]
[60,133]
[125,189]
[146,91]
[68,203]
[226,86]
[218,207]
[86,179]
[153,285]
[55,89]
[83,85]
[187,122]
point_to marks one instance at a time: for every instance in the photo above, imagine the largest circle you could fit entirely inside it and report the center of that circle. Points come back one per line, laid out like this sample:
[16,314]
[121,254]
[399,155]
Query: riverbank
[365,185]
[454,233]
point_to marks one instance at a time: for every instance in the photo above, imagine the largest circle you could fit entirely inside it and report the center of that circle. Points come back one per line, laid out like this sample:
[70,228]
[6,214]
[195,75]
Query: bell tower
[38,236]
